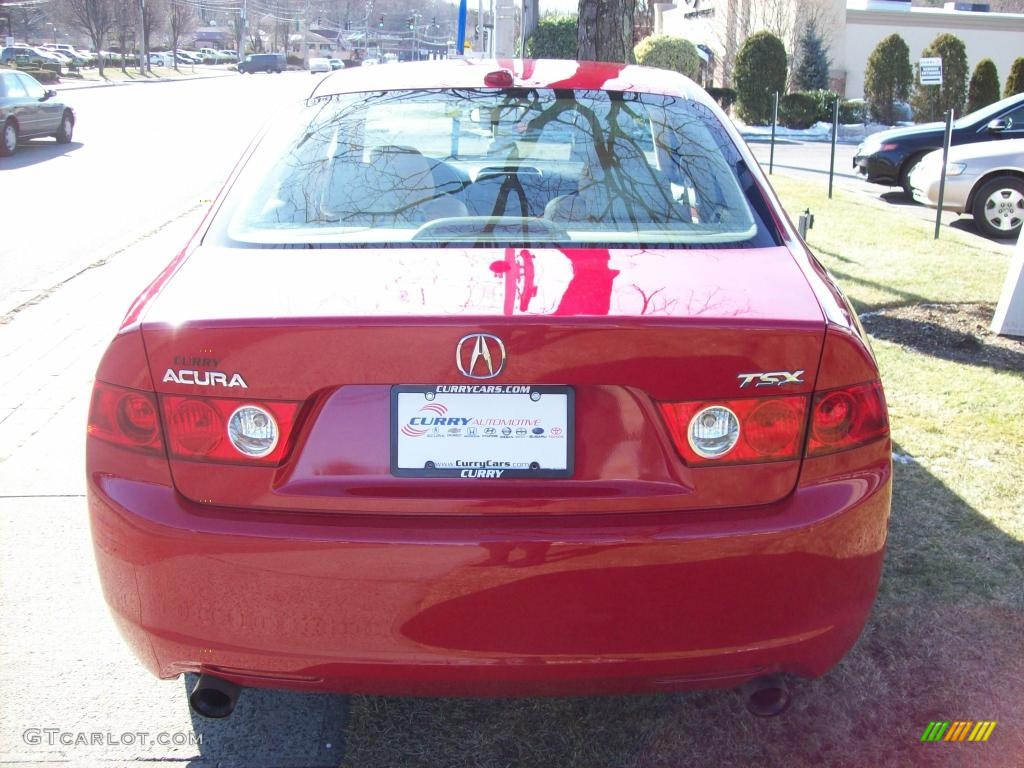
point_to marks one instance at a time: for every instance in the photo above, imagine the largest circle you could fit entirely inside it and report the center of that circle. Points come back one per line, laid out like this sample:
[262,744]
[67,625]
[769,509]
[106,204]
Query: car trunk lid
[336,330]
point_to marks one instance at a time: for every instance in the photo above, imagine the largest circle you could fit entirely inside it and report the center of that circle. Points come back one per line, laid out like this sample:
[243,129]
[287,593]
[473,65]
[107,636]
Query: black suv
[263,62]
[889,157]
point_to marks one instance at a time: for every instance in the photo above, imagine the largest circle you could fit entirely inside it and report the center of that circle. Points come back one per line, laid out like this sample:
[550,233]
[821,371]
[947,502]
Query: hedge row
[666,52]
[725,97]
[42,75]
[803,109]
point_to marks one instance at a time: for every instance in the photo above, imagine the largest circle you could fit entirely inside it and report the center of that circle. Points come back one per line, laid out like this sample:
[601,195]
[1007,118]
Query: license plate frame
[494,449]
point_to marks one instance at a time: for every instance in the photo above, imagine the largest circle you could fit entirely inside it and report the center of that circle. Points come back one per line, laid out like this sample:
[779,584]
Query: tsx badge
[771,379]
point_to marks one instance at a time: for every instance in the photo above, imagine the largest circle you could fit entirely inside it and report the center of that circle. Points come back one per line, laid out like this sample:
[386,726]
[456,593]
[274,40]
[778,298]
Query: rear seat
[515,193]
[398,186]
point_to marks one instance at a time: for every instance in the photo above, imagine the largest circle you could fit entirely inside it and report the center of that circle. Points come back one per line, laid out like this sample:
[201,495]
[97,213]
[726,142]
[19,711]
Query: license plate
[496,431]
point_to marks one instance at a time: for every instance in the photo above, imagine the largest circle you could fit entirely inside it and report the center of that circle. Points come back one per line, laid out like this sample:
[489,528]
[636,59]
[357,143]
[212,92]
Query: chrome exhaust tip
[767,696]
[213,697]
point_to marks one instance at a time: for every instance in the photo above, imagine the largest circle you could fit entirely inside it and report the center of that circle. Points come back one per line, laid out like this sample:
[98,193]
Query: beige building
[851,29]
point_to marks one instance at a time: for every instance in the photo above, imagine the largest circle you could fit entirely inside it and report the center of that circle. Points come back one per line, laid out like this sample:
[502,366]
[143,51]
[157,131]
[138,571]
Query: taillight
[755,430]
[847,417]
[219,429]
[125,417]
[737,431]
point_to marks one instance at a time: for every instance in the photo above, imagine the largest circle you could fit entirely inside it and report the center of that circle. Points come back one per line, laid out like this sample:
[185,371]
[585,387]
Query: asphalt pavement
[142,155]
[808,160]
[70,691]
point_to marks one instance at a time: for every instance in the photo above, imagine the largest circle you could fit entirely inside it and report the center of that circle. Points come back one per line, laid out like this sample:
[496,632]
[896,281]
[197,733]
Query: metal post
[835,134]
[775,119]
[942,178]
[460,45]
[494,27]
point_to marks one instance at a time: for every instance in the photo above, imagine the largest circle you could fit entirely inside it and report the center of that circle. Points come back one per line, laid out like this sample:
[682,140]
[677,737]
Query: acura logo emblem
[480,356]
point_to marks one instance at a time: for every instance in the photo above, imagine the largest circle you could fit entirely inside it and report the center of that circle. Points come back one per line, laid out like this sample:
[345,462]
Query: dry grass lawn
[946,639]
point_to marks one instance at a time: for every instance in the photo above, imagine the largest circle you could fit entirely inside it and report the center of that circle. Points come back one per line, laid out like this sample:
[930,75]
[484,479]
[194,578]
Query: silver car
[28,110]
[985,180]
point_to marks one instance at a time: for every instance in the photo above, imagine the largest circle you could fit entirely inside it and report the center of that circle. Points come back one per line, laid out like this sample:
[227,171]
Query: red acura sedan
[491,378]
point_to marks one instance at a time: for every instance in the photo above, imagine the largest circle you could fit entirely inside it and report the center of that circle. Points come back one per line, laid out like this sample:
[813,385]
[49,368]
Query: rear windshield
[498,167]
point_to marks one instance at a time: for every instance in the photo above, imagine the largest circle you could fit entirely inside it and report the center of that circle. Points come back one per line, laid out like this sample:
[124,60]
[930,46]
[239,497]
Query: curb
[81,86]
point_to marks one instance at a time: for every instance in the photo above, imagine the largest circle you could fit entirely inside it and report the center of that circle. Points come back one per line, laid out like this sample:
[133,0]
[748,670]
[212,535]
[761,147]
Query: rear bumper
[495,606]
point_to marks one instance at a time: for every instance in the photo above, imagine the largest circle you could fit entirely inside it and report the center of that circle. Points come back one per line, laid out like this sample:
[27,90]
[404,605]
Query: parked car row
[37,57]
[166,58]
[320,64]
[984,171]
[202,56]
[67,56]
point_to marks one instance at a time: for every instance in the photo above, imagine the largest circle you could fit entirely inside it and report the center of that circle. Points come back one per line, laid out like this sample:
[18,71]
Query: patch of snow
[848,133]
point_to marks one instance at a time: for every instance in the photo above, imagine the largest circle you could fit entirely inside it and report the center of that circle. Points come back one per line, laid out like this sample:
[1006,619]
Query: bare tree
[606,30]
[153,15]
[95,18]
[126,23]
[238,27]
[181,20]
[28,18]
[739,19]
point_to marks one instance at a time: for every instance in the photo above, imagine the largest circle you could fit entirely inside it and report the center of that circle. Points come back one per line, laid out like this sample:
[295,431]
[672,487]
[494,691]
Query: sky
[560,6]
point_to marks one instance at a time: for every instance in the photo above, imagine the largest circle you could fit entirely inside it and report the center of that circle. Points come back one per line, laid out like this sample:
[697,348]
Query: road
[128,193]
[810,160]
[136,162]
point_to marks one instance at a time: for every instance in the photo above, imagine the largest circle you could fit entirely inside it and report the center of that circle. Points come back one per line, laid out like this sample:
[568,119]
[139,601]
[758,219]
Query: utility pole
[8,38]
[504,28]
[245,30]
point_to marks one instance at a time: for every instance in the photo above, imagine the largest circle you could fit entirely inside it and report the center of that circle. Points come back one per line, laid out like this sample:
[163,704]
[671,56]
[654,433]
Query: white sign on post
[930,71]
[1009,317]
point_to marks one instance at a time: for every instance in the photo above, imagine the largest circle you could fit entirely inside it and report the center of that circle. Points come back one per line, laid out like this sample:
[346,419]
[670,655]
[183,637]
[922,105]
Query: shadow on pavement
[32,151]
[966,224]
[899,198]
[273,729]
